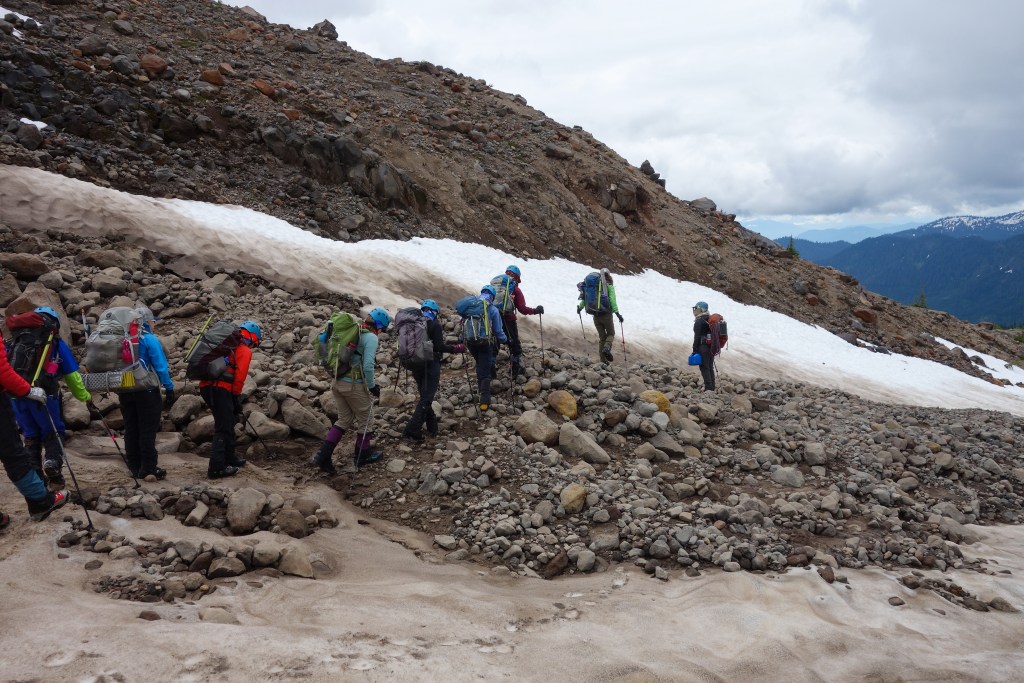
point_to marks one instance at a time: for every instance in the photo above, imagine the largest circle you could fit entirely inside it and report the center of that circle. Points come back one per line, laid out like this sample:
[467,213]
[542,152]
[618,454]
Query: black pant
[707,366]
[483,354]
[141,412]
[427,376]
[515,347]
[15,458]
[222,404]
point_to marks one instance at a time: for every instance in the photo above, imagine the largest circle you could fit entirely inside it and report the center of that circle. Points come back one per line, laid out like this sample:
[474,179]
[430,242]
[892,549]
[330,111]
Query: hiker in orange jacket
[224,397]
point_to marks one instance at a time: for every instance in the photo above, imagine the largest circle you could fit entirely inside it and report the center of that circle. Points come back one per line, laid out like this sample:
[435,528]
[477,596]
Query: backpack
[31,334]
[719,333]
[111,361]
[476,324]
[210,356]
[414,348]
[595,294]
[336,344]
[504,286]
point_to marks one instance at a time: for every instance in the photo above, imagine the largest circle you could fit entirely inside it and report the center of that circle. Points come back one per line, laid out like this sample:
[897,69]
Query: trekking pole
[64,457]
[469,380]
[366,429]
[110,433]
[541,319]
[582,329]
[255,433]
[623,335]
[198,336]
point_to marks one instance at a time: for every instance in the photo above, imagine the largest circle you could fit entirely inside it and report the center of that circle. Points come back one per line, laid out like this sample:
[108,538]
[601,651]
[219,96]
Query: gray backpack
[111,360]
[414,347]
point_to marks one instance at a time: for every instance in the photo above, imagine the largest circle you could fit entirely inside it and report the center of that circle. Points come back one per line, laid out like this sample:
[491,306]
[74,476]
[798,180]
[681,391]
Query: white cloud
[845,108]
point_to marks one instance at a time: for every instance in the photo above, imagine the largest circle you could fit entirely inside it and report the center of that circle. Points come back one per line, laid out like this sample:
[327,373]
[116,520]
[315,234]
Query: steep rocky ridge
[205,101]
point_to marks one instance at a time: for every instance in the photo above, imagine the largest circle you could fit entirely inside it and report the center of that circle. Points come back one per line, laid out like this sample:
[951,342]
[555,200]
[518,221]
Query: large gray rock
[225,566]
[185,408]
[534,426]
[222,284]
[76,413]
[268,428]
[303,420]
[295,562]
[788,476]
[201,430]
[572,441]
[665,443]
[244,508]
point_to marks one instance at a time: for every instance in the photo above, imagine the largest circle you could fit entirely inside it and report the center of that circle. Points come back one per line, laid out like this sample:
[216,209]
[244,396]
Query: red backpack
[719,333]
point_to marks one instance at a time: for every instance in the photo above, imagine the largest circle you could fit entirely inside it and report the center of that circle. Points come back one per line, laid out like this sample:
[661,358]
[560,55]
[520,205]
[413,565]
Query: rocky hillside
[578,467]
[204,101]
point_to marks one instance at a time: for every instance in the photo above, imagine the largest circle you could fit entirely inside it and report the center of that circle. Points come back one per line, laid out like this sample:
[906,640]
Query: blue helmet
[255,334]
[515,273]
[47,311]
[489,289]
[430,305]
[380,318]
[701,305]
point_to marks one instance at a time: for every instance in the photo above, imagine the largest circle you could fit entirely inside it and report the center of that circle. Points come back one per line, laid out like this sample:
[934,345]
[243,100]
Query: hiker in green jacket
[597,295]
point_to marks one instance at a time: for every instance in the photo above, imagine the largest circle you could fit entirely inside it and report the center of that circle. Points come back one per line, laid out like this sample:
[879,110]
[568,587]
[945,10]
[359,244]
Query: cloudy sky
[818,113]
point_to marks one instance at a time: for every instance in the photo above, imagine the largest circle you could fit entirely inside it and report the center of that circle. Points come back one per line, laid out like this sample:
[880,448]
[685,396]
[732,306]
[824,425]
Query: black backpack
[31,337]
[211,355]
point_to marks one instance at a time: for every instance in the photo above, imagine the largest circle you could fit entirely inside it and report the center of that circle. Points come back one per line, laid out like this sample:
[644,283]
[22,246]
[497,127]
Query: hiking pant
[353,401]
[15,458]
[483,354]
[34,420]
[141,412]
[427,376]
[222,404]
[515,347]
[707,366]
[605,331]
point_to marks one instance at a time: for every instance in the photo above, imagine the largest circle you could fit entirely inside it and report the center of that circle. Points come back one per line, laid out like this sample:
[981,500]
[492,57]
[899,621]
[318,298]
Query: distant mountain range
[969,266]
[850,234]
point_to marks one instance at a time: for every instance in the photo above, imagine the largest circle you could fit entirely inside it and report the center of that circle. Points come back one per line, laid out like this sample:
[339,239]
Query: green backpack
[336,344]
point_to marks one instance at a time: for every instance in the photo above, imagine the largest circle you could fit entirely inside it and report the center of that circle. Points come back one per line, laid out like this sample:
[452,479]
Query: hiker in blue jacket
[485,352]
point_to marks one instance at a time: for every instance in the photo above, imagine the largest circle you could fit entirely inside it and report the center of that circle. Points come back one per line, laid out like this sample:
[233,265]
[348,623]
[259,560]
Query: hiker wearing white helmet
[702,344]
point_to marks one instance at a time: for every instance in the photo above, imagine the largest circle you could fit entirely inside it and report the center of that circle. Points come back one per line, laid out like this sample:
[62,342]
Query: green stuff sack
[336,344]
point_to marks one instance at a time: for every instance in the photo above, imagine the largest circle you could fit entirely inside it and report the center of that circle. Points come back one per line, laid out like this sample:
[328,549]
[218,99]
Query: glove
[36,394]
[539,310]
[458,348]
[94,412]
[619,316]
[375,390]
[238,405]
[169,398]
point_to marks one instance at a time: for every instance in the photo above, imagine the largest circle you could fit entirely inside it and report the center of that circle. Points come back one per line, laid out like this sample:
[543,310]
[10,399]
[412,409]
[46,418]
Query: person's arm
[368,342]
[611,299]
[9,379]
[520,300]
[243,358]
[499,329]
[437,338]
[152,354]
[696,334]
[69,369]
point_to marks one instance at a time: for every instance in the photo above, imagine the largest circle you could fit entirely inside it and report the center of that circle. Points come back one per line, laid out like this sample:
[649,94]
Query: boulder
[185,408]
[534,426]
[657,398]
[302,420]
[244,508]
[573,498]
[295,562]
[225,566]
[563,403]
[573,442]
[268,428]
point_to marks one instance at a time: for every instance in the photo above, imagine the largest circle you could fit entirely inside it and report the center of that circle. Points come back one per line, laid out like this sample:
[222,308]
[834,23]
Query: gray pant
[605,331]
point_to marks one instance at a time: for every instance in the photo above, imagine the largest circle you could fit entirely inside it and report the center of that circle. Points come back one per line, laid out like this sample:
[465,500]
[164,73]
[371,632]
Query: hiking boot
[237,462]
[606,355]
[52,468]
[484,407]
[41,509]
[368,458]
[228,471]
[417,438]
[322,457]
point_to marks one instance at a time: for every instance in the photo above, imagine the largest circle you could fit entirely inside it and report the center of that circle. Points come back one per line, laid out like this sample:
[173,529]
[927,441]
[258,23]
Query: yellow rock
[563,402]
[532,388]
[573,497]
[657,398]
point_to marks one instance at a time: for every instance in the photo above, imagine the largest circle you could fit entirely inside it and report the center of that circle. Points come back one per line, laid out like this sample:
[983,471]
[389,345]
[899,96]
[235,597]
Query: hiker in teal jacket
[601,308]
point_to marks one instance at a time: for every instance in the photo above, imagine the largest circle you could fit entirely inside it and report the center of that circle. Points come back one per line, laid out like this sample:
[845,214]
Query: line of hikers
[124,356]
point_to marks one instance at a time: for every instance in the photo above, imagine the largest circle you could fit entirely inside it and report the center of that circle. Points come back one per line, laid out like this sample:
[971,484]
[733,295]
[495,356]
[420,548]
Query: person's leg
[707,367]
[414,427]
[324,454]
[605,334]
[483,356]
[148,405]
[515,347]
[130,413]
[19,467]
[432,378]
[223,407]
[359,402]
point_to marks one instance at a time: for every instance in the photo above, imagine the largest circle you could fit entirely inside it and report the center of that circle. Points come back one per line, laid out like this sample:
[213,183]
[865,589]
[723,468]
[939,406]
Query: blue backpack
[595,294]
[476,326]
[505,287]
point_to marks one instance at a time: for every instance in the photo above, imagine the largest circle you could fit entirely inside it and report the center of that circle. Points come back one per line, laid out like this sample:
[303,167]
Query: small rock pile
[954,593]
[239,512]
[180,569]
